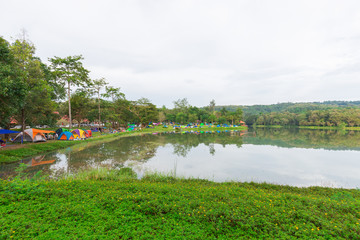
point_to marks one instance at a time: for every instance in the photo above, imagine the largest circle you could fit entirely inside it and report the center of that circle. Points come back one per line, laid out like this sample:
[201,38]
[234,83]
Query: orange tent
[32,135]
[45,131]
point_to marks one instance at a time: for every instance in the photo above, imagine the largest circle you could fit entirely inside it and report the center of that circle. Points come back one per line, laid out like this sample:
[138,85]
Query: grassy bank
[330,128]
[27,150]
[311,127]
[270,126]
[112,205]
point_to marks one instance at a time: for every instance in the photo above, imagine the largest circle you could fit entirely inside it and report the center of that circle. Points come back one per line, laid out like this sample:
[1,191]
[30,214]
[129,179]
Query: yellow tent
[78,133]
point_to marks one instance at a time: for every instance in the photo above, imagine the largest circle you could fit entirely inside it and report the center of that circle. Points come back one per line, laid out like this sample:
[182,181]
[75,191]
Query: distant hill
[291,107]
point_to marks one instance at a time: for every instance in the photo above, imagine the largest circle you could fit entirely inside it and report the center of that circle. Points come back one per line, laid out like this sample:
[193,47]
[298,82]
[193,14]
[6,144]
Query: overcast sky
[236,52]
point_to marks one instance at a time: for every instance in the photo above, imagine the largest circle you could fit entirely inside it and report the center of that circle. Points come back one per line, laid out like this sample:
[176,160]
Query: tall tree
[37,104]
[115,95]
[98,84]
[181,105]
[212,106]
[81,104]
[113,92]
[70,70]
[13,89]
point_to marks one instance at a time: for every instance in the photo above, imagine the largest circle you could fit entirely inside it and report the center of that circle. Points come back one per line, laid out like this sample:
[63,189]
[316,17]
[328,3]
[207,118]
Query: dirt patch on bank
[17,146]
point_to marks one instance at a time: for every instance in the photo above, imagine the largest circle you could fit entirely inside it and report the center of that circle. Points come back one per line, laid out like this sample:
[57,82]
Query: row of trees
[183,112]
[117,111]
[32,93]
[331,117]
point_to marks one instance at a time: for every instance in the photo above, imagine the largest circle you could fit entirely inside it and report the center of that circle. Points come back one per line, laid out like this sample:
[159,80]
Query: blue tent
[5,131]
[66,136]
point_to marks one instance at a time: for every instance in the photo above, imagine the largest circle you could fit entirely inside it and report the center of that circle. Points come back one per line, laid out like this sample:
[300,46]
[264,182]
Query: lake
[296,157]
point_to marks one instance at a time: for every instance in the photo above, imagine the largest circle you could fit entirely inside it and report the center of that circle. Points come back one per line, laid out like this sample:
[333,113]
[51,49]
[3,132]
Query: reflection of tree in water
[212,149]
[181,150]
[183,143]
[143,148]
[114,154]
[305,138]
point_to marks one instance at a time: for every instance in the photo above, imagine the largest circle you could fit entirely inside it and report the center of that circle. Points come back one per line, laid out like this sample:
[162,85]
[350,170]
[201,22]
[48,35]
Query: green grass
[28,150]
[103,204]
[270,126]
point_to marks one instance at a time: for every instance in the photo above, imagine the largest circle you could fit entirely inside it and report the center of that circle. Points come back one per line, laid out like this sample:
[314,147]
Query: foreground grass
[32,149]
[102,204]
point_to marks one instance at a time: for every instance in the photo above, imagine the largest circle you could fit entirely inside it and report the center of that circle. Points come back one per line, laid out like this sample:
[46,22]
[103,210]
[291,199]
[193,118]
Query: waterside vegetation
[32,149]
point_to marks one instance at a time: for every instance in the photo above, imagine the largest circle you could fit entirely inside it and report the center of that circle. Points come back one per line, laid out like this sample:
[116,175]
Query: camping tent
[32,135]
[78,133]
[46,133]
[86,133]
[60,130]
[66,136]
[89,133]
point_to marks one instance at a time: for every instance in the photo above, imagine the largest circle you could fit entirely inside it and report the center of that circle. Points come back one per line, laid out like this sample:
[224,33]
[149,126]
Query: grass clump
[103,174]
[103,204]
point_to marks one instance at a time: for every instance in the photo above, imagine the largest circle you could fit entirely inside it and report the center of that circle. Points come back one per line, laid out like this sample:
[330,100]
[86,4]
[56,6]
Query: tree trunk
[99,107]
[70,122]
[22,124]
[23,120]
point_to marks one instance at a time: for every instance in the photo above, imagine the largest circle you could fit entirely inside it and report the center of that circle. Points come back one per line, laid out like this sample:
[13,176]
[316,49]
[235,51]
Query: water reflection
[305,138]
[297,157]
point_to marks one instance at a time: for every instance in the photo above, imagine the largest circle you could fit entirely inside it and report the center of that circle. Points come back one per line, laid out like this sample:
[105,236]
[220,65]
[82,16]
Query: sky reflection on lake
[288,157]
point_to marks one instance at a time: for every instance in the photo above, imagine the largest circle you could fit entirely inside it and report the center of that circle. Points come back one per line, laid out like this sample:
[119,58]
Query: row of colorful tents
[76,134]
[37,135]
[201,126]
[29,135]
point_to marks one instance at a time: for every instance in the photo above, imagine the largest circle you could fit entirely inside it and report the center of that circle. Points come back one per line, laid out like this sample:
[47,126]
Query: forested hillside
[327,113]
[290,107]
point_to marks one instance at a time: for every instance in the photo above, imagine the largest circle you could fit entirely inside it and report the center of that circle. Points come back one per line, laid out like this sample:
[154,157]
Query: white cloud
[236,52]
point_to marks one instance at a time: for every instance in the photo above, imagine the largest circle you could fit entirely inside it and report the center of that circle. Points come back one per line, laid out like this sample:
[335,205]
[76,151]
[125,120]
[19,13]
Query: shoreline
[11,155]
[311,127]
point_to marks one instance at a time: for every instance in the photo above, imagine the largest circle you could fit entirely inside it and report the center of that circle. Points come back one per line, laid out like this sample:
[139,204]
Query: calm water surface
[296,157]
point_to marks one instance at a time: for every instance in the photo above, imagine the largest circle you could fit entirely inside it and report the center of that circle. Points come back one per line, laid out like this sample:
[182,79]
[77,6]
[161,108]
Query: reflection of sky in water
[258,163]
[229,161]
[61,163]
